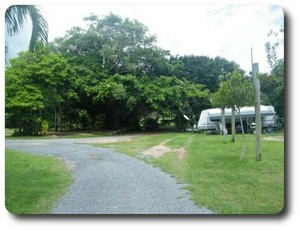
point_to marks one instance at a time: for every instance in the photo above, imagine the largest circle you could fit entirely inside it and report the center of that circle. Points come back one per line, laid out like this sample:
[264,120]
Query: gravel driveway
[107,182]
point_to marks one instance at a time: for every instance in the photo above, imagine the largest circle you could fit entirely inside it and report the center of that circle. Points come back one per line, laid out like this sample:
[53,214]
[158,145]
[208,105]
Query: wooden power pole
[256,83]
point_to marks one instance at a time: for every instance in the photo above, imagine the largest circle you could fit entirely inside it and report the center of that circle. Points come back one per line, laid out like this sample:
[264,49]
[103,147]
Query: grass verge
[217,178]
[59,134]
[33,184]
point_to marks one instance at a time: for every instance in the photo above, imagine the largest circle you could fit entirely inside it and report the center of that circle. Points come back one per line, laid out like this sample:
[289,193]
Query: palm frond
[15,18]
[39,28]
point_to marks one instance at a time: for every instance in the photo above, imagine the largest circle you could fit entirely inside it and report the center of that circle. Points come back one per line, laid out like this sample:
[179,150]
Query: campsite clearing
[211,167]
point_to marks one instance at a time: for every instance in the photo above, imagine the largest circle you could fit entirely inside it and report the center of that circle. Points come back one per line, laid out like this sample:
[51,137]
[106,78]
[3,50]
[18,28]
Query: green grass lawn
[33,184]
[217,178]
[59,134]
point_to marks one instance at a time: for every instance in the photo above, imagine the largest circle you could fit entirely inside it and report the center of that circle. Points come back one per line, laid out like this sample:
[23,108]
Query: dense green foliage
[36,84]
[272,87]
[204,70]
[111,75]
[234,91]
[33,184]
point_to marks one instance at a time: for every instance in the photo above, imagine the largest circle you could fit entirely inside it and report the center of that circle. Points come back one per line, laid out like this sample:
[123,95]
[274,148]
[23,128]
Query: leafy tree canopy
[111,75]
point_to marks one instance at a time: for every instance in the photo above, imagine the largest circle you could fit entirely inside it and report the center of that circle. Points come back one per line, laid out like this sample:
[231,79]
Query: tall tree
[244,97]
[272,47]
[203,70]
[15,18]
[234,92]
[172,97]
[114,45]
[218,100]
[110,75]
[272,87]
[36,87]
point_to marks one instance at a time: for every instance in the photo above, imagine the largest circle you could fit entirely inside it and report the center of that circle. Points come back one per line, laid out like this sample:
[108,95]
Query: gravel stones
[107,182]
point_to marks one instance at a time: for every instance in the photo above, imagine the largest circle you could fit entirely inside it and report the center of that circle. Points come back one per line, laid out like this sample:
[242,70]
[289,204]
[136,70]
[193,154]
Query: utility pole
[256,83]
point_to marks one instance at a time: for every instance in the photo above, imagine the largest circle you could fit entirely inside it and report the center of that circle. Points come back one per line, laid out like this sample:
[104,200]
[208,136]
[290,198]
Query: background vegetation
[112,75]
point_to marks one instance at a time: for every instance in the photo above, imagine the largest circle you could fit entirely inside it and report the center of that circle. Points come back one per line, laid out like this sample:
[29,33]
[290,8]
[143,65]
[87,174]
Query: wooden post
[256,83]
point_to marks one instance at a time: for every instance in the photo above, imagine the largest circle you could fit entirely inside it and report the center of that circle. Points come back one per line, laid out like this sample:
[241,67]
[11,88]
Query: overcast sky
[228,31]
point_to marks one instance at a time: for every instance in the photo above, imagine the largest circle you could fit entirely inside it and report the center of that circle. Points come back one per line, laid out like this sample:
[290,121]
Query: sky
[229,31]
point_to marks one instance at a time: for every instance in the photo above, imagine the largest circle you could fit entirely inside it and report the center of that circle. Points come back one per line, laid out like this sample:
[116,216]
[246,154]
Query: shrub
[150,124]
[44,127]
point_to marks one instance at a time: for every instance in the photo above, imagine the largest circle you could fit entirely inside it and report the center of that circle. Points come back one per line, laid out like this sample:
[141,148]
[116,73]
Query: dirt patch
[85,134]
[278,138]
[160,149]
[180,153]
[68,163]
[157,150]
[106,140]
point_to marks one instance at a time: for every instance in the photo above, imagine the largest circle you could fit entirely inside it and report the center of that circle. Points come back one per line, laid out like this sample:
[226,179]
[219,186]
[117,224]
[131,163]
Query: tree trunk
[55,119]
[60,117]
[223,121]
[232,124]
[103,61]
[244,137]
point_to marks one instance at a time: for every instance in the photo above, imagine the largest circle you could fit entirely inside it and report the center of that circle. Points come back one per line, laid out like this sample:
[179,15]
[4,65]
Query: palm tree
[15,17]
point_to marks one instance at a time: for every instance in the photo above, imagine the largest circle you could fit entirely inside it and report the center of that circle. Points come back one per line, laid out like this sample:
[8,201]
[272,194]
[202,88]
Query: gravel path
[107,182]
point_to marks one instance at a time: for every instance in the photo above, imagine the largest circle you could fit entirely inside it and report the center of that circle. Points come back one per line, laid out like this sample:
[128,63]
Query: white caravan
[210,119]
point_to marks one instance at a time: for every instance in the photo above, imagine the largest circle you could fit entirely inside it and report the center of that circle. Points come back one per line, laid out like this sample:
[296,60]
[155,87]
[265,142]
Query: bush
[44,127]
[150,124]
